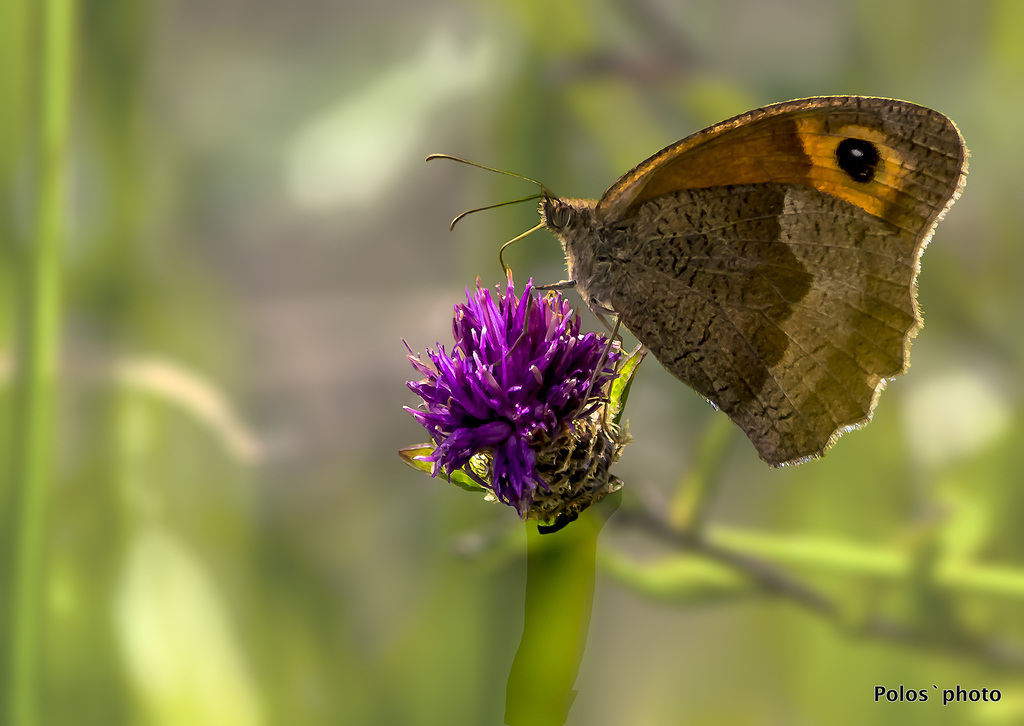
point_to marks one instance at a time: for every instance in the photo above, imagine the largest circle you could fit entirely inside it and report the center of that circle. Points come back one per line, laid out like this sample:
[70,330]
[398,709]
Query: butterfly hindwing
[741,312]
[770,261]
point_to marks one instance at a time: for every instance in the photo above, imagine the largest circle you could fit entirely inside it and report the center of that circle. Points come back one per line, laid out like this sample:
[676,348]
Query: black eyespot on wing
[858,158]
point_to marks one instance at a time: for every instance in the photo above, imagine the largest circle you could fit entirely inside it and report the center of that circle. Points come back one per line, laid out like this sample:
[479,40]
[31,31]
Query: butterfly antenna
[543,189]
[493,206]
[544,193]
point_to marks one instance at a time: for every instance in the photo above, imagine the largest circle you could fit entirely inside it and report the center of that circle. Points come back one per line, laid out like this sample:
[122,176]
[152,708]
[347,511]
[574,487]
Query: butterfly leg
[563,285]
[604,356]
[611,341]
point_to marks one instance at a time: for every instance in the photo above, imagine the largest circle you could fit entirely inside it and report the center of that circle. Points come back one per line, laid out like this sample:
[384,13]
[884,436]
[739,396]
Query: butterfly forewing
[769,262]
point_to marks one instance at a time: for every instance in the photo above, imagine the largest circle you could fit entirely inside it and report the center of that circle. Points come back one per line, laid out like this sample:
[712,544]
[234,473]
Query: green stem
[38,357]
[560,570]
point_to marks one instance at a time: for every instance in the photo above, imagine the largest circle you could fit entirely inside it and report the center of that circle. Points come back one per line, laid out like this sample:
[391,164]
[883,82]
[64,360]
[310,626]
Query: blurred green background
[232,538]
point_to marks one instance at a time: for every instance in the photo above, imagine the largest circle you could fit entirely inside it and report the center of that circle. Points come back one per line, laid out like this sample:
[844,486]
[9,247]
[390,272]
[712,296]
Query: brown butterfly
[770,261]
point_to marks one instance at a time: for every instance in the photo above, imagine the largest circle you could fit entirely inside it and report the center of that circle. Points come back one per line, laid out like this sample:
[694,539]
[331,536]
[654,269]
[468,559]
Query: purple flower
[517,383]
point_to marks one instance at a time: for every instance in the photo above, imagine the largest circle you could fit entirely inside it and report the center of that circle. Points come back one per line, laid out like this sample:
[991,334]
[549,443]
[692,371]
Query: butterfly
[770,261]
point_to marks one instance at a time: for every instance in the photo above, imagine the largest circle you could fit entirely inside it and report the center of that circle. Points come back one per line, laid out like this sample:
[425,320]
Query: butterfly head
[587,254]
[567,217]
[557,214]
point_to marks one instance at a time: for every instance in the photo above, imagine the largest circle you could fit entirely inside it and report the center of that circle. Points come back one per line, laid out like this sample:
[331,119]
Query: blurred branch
[170,381]
[192,393]
[747,563]
[765,577]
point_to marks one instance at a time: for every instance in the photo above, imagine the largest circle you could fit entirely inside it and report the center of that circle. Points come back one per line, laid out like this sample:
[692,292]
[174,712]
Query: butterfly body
[770,261]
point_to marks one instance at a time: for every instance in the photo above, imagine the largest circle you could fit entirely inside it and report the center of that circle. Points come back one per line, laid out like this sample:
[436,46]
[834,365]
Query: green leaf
[620,386]
[415,456]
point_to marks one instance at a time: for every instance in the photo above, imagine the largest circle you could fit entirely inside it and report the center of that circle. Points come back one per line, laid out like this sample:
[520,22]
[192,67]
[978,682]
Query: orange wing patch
[878,197]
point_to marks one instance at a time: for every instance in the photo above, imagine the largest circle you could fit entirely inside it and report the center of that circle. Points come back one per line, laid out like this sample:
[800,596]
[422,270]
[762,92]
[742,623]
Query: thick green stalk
[560,571]
[38,356]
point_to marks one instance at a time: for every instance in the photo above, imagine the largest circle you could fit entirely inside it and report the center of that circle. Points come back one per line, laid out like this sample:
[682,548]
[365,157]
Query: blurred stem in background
[33,450]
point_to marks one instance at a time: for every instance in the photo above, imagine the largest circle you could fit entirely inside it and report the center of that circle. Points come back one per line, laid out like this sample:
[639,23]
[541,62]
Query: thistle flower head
[513,404]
